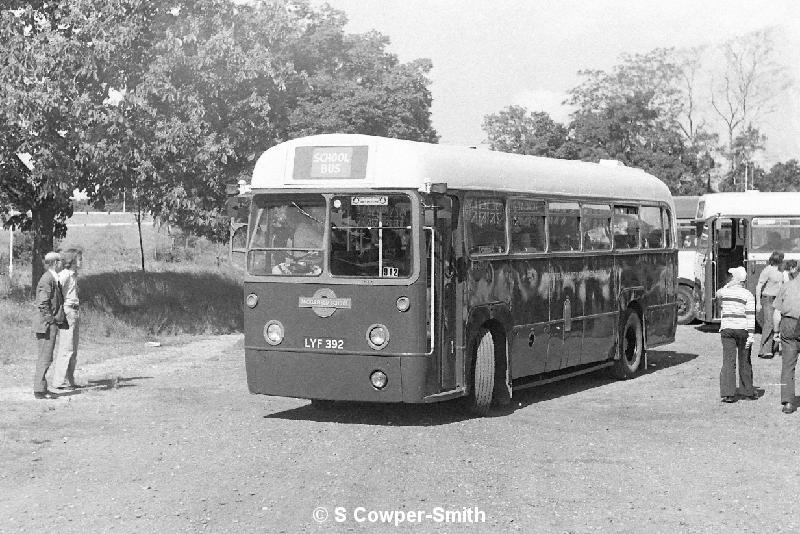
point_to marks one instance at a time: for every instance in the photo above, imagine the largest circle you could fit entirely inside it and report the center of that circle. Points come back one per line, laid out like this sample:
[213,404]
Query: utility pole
[745,175]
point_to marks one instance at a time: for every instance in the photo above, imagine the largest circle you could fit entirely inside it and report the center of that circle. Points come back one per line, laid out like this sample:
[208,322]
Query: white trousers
[66,351]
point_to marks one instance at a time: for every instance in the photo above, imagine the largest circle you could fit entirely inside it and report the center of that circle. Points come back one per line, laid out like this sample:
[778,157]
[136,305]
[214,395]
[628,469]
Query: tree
[58,61]
[633,114]
[519,131]
[208,85]
[227,81]
[746,89]
[781,177]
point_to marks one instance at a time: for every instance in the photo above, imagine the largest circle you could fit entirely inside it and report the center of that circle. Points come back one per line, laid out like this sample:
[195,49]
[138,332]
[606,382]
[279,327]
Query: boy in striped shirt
[737,330]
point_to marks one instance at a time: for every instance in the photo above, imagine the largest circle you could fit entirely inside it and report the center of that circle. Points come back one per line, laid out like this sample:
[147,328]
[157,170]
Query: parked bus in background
[394,271]
[685,211]
[741,229]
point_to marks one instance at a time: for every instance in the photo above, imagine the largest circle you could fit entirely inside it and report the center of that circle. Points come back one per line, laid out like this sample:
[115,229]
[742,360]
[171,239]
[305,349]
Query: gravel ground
[171,441]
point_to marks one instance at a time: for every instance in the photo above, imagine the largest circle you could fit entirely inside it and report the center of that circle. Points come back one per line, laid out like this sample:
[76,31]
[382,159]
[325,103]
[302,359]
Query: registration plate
[323,343]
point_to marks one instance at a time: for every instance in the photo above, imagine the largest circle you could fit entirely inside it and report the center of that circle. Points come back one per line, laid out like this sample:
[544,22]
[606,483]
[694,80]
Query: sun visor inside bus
[325,162]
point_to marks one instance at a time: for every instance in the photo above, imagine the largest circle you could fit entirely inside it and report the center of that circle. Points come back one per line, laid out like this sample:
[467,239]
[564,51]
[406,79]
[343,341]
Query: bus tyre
[686,311]
[631,343]
[483,375]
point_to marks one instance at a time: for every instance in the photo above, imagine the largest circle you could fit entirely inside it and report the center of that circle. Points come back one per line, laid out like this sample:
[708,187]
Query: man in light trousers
[66,357]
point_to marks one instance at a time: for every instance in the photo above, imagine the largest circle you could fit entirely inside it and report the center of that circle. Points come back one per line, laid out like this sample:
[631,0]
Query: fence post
[11,253]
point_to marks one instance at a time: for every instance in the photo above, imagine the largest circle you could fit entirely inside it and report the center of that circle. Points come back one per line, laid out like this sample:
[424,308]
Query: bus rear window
[371,236]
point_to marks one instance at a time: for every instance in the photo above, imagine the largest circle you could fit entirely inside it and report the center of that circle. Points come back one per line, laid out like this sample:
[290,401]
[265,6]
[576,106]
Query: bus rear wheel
[686,312]
[483,374]
[631,347]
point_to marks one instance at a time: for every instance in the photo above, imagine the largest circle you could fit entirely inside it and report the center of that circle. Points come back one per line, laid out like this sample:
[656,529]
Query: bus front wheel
[686,312]
[483,374]
[631,346]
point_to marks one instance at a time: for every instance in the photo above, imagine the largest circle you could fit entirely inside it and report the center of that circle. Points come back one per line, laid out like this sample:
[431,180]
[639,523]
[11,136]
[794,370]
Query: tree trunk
[139,226]
[42,230]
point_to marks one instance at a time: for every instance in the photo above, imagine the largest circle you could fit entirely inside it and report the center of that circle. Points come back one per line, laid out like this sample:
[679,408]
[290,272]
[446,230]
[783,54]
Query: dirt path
[171,441]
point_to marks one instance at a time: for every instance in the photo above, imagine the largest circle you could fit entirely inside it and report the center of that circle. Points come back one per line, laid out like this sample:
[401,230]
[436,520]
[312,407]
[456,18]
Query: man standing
[737,330]
[48,316]
[67,354]
[787,314]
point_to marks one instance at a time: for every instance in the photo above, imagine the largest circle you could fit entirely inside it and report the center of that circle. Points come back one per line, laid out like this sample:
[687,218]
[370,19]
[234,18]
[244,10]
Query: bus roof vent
[611,163]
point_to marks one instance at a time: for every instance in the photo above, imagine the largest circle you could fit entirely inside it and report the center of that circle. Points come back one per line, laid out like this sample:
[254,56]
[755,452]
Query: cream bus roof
[750,203]
[398,164]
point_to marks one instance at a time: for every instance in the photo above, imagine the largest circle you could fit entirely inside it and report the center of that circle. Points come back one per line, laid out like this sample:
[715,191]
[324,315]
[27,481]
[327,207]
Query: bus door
[443,286]
[727,249]
[566,309]
[703,262]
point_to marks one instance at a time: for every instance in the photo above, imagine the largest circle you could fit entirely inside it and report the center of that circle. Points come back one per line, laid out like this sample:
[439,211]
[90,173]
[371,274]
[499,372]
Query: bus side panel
[600,308]
[660,307]
[531,311]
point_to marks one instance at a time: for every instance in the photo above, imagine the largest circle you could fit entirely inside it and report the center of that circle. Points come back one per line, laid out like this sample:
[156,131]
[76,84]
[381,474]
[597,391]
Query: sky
[489,55]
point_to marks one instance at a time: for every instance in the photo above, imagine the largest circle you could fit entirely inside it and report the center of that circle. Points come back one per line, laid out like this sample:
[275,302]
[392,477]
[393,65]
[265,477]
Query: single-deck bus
[685,211]
[741,228]
[394,271]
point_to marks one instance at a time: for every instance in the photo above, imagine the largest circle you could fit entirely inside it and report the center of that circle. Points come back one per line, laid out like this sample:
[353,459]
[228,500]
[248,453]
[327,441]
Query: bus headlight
[403,303]
[378,379]
[273,332]
[377,336]
[251,300]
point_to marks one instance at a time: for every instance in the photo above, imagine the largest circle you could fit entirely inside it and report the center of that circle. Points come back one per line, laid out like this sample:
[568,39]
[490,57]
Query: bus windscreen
[369,235]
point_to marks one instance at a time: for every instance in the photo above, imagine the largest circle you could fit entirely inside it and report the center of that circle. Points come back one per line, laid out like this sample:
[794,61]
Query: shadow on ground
[105,384]
[167,302]
[364,413]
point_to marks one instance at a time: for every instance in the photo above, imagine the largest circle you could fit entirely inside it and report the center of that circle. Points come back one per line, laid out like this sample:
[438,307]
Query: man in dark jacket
[48,316]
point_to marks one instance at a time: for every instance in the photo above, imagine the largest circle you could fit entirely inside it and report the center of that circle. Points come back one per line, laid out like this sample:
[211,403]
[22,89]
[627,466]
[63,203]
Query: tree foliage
[59,59]
[781,177]
[519,131]
[208,85]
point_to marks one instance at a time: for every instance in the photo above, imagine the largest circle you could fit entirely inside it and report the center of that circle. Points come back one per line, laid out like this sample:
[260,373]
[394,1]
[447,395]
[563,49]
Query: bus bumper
[344,377]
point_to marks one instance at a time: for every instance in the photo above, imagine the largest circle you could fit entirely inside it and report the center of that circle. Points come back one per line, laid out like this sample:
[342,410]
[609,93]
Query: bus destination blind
[333,162]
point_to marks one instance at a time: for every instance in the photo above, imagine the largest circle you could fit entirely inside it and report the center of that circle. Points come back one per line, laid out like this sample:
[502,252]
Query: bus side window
[666,223]
[527,225]
[596,221]
[652,235]
[485,225]
[626,227]
[564,220]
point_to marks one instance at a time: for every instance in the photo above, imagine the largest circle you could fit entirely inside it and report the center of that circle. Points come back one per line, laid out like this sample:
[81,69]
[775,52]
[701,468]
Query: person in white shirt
[67,354]
[737,329]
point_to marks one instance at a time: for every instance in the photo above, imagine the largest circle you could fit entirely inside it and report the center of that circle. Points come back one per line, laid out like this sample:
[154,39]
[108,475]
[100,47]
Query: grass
[189,289]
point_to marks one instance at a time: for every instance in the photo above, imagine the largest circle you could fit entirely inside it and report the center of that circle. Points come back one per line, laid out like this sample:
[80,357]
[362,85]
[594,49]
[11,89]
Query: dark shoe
[788,407]
[42,395]
[766,356]
[729,399]
[754,396]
